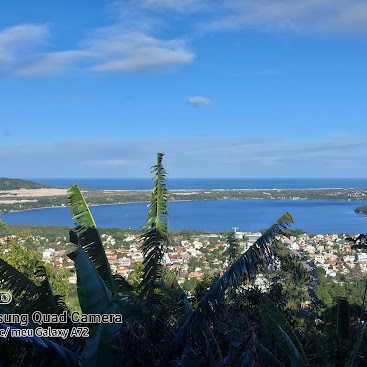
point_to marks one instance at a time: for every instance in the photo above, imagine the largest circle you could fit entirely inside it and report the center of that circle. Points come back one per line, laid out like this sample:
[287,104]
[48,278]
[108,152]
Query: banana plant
[37,351]
[98,289]
[275,324]
[29,296]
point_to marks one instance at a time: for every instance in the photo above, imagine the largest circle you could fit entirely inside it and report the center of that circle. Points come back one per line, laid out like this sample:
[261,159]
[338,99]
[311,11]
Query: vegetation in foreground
[230,321]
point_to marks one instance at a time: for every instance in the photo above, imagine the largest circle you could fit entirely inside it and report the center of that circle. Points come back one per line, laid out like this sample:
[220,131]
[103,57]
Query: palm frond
[88,235]
[155,235]
[269,307]
[122,285]
[49,302]
[285,342]
[243,269]
[343,320]
[338,328]
[30,297]
[55,351]
[213,351]
[153,242]
[182,309]
[266,358]
[354,353]
[19,285]
[158,207]
[80,210]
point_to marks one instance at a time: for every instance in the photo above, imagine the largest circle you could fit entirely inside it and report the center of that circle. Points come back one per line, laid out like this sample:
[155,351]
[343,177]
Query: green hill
[361,209]
[15,184]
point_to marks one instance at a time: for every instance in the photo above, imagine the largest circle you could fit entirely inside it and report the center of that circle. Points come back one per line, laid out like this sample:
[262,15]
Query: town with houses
[200,255]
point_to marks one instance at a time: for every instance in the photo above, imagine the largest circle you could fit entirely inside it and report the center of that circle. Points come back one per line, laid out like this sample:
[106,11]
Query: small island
[361,209]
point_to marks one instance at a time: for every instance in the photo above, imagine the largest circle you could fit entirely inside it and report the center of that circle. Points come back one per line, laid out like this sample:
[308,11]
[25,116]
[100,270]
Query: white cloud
[110,49]
[332,16]
[198,101]
[137,52]
[51,63]
[133,43]
[176,5]
[18,42]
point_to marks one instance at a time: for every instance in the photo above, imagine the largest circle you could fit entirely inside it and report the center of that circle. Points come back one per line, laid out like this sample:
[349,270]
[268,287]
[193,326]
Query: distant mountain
[15,184]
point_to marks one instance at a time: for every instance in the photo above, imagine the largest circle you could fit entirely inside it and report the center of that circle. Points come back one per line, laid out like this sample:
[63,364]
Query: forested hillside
[16,184]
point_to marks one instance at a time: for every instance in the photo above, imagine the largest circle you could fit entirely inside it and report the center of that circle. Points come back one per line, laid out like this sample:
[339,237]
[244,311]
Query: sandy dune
[32,193]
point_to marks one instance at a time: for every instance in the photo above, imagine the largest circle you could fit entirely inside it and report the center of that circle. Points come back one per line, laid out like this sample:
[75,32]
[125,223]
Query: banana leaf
[285,342]
[270,308]
[53,350]
[29,296]
[96,298]
[88,236]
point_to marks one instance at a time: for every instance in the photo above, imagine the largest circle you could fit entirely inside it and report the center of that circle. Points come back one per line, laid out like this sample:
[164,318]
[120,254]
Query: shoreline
[176,201]
[25,200]
[200,190]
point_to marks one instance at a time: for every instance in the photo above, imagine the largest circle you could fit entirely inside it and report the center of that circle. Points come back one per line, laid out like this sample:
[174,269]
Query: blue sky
[234,88]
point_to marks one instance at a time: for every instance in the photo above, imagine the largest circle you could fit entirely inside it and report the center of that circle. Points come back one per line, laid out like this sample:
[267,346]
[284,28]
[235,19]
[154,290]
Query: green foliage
[26,261]
[233,324]
[269,309]
[242,270]
[328,289]
[284,341]
[202,288]
[232,250]
[96,298]
[361,209]
[294,232]
[137,275]
[2,225]
[155,236]
[88,236]
[16,184]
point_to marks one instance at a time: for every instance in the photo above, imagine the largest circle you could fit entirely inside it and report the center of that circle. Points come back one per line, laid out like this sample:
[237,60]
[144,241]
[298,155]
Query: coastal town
[194,257]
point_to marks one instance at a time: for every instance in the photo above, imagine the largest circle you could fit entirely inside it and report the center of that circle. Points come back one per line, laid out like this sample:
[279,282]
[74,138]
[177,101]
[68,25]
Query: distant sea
[206,183]
[314,216]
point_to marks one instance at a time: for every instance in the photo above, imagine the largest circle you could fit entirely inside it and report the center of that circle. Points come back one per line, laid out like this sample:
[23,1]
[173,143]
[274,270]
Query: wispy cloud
[51,63]
[176,5]
[133,42]
[111,162]
[17,43]
[136,52]
[343,16]
[198,101]
[110,49]
[240,157]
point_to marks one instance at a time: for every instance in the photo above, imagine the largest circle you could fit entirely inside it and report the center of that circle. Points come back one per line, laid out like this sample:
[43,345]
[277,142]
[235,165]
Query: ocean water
[248,215]
[206,183]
